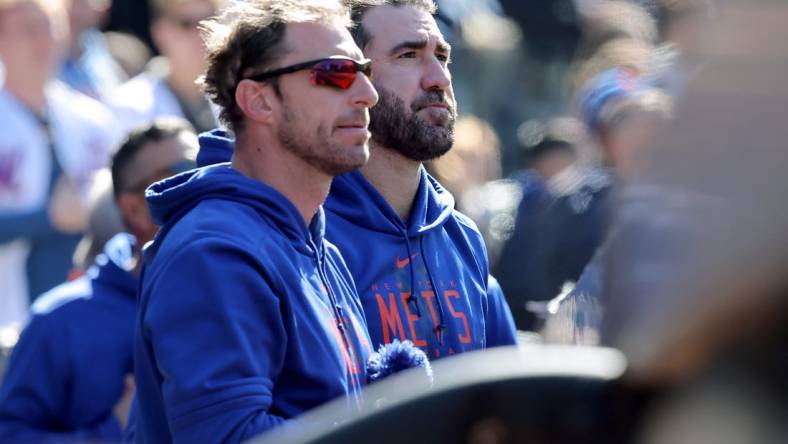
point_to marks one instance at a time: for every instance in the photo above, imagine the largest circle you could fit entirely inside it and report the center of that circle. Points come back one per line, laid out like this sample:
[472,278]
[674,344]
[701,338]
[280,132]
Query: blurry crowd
[71,93]
[542,191]
[549,127]
[559,109]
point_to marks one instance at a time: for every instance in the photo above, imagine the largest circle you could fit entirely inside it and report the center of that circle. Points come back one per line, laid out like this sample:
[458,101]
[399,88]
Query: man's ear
[256,100]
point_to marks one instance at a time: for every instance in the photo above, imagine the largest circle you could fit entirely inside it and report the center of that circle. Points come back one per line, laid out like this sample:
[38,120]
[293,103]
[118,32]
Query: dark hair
[138,138]
[360,7]
[538,138]
[247,38]
[161,8]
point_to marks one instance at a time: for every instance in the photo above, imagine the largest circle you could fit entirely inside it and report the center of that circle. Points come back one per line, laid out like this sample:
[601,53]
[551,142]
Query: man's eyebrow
[420,44]
[411,44]
[443,47]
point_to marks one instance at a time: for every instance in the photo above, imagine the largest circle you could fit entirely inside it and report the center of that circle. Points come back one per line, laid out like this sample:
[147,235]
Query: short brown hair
[247,38]
[360,7]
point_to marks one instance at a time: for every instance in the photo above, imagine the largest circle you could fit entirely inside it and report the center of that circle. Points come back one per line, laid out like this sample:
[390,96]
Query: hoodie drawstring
[440,329]
[338,315]
[412,299]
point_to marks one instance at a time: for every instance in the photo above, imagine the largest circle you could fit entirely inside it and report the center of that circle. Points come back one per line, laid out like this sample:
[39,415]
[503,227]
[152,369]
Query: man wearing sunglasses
[420,266]
[248,317]
[68,378]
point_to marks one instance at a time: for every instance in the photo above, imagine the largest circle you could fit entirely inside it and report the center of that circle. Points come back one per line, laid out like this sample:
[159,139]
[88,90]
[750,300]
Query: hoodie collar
[114,266]
[354,198]
[171,198]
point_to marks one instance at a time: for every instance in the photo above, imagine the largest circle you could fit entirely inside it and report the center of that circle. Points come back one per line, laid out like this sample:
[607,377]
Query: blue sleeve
[499,322]
[34,397]
[24,224]
[216,330]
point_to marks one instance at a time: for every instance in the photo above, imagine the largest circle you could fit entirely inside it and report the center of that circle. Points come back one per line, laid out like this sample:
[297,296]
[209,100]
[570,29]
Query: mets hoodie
[248,317]
[425,279]
[66,373]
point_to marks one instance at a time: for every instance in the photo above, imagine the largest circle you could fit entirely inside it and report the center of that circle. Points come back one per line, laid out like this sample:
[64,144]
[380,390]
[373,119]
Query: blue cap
[609,85]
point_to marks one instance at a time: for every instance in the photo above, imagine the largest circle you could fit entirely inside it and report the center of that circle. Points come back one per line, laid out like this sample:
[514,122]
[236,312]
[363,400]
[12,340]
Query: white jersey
[83,133]
[142,99]
[147,97]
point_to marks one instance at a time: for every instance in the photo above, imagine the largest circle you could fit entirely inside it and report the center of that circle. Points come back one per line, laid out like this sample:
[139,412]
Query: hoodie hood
[353,198]
[215,147]
[171,198]
[115,266]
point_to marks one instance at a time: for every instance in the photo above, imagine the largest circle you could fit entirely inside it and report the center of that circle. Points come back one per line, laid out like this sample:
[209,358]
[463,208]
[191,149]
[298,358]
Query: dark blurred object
[550,27]
[561,218]
[505,395]
[133,17]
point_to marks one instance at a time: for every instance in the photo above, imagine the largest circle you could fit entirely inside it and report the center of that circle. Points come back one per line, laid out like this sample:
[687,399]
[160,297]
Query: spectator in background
[88,65]
[52,140]
[625,113]
[168,87]
[69,377]
[560,220]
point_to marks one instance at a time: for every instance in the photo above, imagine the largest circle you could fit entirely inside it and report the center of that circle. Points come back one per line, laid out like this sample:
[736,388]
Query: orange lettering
[389,319]
[465,338]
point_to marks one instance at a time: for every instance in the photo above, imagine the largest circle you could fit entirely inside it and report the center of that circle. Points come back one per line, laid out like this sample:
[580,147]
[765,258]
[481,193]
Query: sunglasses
[336,71]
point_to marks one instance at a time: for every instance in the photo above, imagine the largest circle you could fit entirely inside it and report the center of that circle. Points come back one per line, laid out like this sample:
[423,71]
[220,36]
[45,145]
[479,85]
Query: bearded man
[420,266]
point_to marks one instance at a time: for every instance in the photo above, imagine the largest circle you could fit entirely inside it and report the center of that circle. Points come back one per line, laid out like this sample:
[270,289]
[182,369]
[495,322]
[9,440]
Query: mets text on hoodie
[426,279]
[248,317]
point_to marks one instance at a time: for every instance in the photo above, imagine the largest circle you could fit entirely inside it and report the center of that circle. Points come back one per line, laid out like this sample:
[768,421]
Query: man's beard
[395,127]
[315,147]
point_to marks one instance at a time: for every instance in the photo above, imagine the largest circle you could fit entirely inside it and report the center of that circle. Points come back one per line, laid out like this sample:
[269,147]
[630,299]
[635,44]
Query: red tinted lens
[337,73]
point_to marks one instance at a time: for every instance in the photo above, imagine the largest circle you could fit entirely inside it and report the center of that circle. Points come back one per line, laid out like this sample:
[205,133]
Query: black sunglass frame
[365,67]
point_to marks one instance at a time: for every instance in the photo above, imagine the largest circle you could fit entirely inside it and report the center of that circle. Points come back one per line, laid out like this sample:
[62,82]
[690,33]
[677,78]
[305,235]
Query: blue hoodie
[438,256]
[248,317]
[67,371]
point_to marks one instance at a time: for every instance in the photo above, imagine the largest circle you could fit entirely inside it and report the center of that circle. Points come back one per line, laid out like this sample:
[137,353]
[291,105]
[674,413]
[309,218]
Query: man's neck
[395,177]
[302,184]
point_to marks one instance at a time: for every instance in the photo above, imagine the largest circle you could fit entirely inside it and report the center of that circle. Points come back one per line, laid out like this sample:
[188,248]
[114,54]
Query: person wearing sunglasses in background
[420,267]
[168,87]
[68,378]
[247,316]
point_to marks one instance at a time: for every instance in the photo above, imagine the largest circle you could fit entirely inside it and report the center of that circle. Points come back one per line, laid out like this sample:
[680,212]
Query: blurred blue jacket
[67,371]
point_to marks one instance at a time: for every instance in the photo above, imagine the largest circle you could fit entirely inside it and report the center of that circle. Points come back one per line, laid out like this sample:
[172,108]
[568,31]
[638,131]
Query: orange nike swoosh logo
[402,263]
